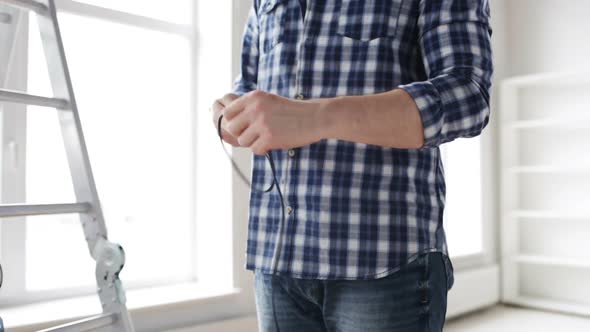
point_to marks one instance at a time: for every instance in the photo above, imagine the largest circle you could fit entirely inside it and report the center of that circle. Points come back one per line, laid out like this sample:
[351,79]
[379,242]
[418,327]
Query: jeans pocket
[449,272]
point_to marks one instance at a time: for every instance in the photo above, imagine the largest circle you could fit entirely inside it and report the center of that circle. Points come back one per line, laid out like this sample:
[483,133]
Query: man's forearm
[262,121]
[389,119]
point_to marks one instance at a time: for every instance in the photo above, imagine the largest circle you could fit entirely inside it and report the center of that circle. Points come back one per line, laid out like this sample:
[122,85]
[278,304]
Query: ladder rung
[17,210]
[35,6]
[23,98]
[88,324]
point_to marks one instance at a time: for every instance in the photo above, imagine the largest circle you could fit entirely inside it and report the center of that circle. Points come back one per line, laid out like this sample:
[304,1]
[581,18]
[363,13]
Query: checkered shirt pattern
[357,211]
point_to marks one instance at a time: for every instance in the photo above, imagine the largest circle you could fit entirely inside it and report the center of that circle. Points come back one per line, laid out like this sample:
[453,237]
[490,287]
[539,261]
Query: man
[352,100]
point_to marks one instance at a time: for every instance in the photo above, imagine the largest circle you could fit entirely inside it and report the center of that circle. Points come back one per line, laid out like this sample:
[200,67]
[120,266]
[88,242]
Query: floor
[495,319]
[509,319]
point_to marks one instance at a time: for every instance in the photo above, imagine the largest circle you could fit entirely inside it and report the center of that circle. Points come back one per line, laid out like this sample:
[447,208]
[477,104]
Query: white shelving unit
[545,192]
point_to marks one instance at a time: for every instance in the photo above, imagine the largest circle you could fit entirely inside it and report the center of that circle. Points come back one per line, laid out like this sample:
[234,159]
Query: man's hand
[263,122]
[216,109]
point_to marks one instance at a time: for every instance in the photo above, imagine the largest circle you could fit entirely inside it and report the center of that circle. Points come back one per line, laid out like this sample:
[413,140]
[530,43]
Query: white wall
[547,35]
[544,36]
[536,36]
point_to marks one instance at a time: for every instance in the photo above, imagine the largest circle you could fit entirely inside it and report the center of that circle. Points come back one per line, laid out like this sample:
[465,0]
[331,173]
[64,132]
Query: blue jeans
[414,299]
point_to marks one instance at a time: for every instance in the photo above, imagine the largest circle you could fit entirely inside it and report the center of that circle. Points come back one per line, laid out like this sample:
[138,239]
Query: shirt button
[291,153]
[299,97]
[289,210]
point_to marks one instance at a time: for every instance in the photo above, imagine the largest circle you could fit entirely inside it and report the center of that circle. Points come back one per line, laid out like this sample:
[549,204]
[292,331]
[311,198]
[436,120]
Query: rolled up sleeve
[455,43]
[248,77]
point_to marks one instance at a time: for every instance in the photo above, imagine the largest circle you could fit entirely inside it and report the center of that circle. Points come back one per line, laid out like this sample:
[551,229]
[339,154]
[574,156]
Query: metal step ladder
[109,256]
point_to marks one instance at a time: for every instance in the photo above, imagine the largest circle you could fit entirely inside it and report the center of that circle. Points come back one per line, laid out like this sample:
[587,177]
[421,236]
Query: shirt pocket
[367,20]
[271,18]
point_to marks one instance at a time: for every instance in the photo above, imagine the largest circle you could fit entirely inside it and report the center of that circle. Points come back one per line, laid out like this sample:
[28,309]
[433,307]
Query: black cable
[235,166]
[274,183]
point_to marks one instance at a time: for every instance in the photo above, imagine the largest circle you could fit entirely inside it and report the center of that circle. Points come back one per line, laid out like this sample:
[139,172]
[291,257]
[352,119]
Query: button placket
[304,37]
[285,182]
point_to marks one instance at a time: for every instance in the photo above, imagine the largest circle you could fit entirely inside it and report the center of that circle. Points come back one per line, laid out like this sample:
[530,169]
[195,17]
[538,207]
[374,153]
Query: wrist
[325,117]
[314,122]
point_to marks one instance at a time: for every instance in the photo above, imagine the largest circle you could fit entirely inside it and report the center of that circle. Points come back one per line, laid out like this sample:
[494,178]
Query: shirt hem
[410,259]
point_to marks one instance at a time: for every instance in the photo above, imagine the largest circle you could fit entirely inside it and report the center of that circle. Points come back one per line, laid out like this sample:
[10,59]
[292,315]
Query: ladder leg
[75,145]
[9,28]
[109,257]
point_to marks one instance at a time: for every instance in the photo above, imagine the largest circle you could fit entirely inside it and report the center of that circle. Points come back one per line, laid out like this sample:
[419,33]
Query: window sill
[144,305]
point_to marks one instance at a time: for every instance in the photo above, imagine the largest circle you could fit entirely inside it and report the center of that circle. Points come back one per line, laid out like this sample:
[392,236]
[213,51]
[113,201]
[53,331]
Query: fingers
[222,102]
[234,108]
[229,139]
[248,137]
[237,125]
[228,98]
[216,108]
[254,100]
[259,147]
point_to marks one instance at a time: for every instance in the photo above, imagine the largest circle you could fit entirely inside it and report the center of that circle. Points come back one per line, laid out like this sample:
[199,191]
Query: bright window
[134,87]
[463,216]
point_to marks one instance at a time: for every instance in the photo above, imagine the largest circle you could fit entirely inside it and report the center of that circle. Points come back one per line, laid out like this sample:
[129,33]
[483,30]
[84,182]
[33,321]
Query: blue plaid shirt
[357,211]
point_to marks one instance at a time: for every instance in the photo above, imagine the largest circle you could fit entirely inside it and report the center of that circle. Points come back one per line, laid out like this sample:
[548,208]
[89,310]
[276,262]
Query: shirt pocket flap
[271,19]
[369,19]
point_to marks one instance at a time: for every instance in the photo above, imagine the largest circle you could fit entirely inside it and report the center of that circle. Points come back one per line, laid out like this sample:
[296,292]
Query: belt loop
[426,279]
[426,266]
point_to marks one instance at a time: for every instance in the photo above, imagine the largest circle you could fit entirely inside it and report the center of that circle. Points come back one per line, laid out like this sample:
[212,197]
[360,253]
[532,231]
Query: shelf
[574,78]
[545,171]
[579,122]
[550,305]
[548,169]
[582,263]
[540,214]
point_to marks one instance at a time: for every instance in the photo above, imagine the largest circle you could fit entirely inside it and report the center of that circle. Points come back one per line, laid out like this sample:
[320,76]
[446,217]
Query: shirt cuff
[428,100]
[241,87]
[239,91]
